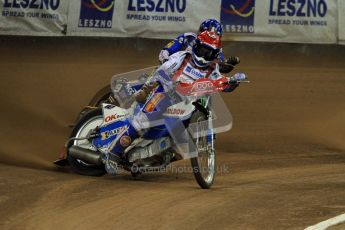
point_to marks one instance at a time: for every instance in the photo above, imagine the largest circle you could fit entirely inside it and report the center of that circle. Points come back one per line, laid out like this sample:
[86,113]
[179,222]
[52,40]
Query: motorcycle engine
[149,150]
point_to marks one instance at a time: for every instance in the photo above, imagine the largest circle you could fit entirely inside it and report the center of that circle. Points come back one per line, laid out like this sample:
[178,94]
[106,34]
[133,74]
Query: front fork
[206,102]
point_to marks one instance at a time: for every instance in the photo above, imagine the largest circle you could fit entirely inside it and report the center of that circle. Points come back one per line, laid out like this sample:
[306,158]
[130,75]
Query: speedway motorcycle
[199,109]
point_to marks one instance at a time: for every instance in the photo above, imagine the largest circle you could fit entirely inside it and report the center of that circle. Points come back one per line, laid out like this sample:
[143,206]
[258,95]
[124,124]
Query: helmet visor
[206,52]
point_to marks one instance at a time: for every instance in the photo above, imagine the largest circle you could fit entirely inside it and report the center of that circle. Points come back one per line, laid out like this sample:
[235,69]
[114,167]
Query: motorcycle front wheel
[204,164]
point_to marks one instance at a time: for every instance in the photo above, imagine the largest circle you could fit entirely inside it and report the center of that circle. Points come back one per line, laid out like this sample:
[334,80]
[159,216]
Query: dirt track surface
[282,165]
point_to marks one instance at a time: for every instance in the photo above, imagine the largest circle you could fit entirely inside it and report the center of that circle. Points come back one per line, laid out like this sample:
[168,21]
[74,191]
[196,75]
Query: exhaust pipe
[86,155]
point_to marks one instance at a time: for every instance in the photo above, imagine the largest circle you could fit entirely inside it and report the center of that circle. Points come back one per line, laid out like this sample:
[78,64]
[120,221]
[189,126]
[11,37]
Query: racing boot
[111,163]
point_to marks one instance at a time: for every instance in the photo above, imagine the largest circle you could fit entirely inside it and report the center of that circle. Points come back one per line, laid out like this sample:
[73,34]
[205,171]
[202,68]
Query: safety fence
[302,21]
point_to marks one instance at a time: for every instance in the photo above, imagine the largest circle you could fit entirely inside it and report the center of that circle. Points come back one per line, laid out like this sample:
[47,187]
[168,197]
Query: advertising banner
[302,21]
[140,18]
[341,20]
[33,17]
[305,21]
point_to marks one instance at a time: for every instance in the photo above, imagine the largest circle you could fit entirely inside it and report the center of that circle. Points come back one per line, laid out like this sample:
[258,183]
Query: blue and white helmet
[211,25]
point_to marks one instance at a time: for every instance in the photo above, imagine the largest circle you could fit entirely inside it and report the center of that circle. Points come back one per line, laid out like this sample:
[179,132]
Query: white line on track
[328,223]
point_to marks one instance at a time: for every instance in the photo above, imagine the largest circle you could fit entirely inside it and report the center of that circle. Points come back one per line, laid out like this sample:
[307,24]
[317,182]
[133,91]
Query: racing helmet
[206,48]
[211,25]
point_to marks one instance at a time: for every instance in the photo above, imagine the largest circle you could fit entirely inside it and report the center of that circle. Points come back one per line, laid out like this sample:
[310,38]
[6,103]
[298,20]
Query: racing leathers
[158,94]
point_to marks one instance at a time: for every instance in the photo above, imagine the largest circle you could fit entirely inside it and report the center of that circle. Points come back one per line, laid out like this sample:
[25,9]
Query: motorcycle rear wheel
[89,121]
[205,164]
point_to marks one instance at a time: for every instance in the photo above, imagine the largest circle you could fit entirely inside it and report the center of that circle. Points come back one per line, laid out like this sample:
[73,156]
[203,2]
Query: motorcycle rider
[182,66]
[186,41]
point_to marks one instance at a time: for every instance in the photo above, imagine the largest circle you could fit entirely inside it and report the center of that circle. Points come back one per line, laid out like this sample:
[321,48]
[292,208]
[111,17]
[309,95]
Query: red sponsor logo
[202,86]
[110,118]
[175,111]
[113,117]
[150,106]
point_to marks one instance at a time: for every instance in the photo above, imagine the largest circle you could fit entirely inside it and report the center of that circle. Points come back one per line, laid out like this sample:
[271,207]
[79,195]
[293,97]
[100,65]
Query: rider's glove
[163,56]
[233,60]
[228,65]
